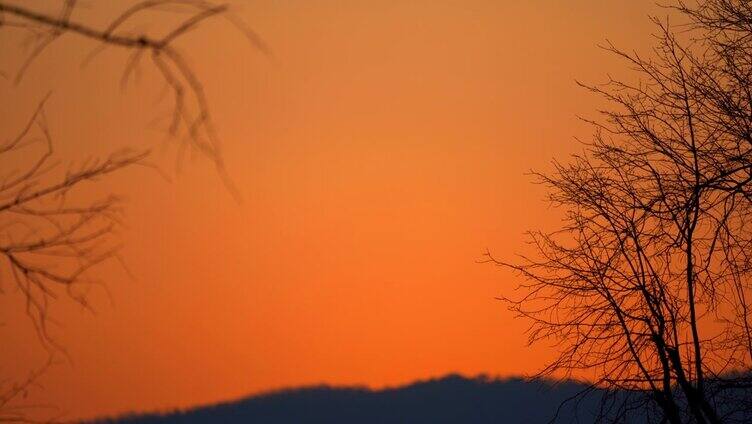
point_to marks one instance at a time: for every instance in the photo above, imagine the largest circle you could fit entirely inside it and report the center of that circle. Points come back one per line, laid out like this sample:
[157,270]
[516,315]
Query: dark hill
[452,399]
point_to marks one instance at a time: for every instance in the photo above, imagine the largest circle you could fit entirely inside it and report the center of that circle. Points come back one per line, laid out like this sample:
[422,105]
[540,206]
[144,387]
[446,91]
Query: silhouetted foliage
[646,285]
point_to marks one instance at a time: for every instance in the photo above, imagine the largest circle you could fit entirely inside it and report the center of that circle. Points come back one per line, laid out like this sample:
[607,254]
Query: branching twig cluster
[49,241]
[12,392]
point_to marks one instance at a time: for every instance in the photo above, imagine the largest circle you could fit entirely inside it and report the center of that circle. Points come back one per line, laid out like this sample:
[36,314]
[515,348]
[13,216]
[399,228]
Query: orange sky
[379,153]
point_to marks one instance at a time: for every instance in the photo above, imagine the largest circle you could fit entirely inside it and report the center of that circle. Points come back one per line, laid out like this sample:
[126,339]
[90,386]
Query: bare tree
[647,284]
[51,237]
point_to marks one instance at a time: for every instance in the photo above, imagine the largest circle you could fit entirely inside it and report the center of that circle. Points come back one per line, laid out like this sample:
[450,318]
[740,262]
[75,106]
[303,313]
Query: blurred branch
[190,114]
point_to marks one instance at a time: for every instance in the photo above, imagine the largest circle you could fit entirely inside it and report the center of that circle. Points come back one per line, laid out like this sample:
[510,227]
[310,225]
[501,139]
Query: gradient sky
[379,153]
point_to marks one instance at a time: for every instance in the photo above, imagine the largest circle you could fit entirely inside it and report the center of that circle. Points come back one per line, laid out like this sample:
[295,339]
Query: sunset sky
[379,151]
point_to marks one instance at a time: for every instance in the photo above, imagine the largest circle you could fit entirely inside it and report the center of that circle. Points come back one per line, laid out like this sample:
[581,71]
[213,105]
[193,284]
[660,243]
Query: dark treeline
[451,399]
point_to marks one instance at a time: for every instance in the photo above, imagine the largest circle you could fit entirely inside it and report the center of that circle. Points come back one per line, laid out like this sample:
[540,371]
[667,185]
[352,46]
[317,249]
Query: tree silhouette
[50,239]
[646,285]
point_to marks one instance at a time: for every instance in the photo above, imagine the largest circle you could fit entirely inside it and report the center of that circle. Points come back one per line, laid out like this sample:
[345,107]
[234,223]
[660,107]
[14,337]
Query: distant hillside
[451,399]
